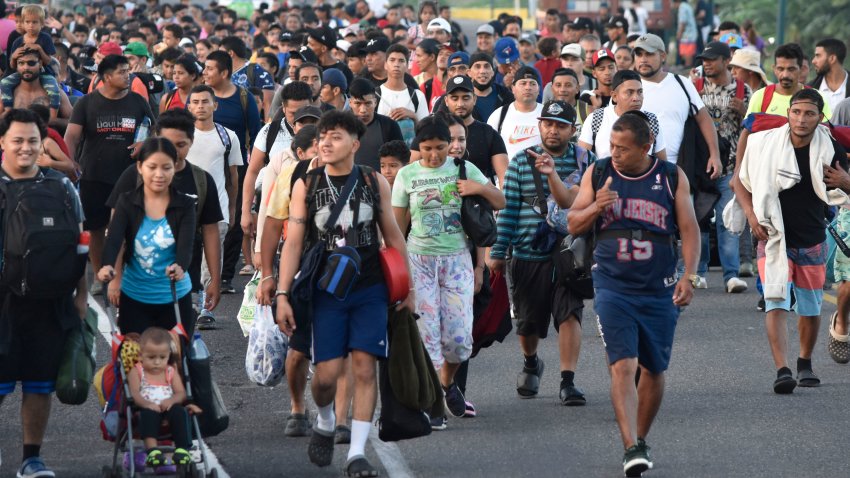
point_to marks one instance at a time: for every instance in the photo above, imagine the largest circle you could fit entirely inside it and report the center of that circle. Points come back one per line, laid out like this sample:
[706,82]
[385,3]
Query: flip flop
[359,467]
[528,381]
[837,345]
[321,447]
[784,385]
[807,378]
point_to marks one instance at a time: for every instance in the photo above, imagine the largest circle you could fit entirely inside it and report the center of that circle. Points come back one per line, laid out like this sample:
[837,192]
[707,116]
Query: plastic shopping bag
[249,305]
[267,348]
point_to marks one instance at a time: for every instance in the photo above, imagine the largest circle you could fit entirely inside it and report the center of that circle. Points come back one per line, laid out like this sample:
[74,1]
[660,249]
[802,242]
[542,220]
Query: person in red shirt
[550,48]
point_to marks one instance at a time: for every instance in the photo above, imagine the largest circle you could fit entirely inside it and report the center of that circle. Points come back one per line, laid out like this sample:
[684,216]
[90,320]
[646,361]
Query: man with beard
[485,147]
[617,29]
[380,129]
[536,295]
[311,74]
[517,122]
[489,96]
[726,101]
[30,90]
[832,79]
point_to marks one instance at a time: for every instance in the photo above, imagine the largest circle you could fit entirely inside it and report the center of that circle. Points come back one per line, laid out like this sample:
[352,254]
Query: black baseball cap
[618,22]
[460,82]
[623,76]
[323,35]
[714,50]
[377,44]
[557,110]
[526,73]
[480,56]
[581,23]
[308,111]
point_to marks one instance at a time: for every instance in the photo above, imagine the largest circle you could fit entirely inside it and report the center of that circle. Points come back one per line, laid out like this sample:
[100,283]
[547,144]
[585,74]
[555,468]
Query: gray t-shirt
[841,113]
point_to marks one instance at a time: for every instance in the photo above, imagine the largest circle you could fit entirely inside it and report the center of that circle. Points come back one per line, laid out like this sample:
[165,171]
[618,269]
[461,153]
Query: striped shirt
[518,222]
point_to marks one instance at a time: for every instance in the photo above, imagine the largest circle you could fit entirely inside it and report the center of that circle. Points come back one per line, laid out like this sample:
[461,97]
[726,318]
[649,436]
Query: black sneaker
[455,402]
[227,287]
[572,396]
[636,459]
[760,306]
[439,423]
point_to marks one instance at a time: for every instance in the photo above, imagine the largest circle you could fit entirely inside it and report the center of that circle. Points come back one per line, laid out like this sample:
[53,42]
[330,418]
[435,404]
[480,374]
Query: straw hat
[749,60]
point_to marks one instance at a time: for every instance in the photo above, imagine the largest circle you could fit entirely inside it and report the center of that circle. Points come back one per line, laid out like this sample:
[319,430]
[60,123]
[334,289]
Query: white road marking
[105,329]
[390,456]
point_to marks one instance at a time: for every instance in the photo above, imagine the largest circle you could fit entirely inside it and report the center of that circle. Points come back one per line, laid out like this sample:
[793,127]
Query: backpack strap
[243,99]
[542,205]
[502,114]
[767,97]
[200,177]
[582,110]
[595,124]
[250,73]
[271,134]
[370,177]
[225,140]
[599,171]
[692,109]
[169,98]
[429,90]
[413,98]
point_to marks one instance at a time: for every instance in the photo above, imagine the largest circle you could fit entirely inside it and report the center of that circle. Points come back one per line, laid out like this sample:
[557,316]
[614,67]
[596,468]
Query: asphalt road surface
[719,417]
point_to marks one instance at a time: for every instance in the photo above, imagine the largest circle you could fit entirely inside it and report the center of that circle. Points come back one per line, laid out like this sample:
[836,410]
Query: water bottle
[143,130]
[199,348]
[199,369]
[83,244]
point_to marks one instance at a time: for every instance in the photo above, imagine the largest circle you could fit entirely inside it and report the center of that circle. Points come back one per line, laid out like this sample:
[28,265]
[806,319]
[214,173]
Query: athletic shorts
[637,326]
[537,298]
[841,264]
[357,323]
[687,48]
[93,196]
[35,349]
[136,317]
[302,337]
[806,277]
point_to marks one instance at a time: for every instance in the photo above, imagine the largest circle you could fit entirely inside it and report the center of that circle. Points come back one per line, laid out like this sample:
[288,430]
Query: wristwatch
[281,292]
[694,280]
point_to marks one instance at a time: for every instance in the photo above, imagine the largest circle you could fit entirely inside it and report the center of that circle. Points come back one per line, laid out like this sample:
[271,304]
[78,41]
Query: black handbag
[476,215]
[572,259]
[398,422]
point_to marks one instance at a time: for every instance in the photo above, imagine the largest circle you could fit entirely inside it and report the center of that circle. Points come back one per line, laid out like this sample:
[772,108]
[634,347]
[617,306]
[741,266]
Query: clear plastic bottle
[143,130]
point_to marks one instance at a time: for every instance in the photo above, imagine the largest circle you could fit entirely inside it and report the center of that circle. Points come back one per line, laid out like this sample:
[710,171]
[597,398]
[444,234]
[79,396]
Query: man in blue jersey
[636,203]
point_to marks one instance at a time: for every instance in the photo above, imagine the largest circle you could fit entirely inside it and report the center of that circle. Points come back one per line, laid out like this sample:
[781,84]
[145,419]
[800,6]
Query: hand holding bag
[245,316]
[267,349]
[476,215]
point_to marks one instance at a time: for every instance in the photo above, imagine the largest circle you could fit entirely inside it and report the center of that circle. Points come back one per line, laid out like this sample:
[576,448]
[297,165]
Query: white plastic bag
[245,316]
[267,348]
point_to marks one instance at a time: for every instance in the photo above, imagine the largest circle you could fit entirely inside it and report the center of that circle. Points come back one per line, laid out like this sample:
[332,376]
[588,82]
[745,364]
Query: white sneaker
[735,286]
[701,283]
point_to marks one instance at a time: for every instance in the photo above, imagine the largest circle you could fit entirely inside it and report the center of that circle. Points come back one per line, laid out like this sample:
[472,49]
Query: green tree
[808,20]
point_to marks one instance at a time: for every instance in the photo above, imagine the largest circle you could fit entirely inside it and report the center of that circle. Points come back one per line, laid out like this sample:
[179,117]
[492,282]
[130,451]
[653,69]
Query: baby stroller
[119,411]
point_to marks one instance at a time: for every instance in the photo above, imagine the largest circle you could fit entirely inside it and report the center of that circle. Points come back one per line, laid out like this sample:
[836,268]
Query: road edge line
[390,456]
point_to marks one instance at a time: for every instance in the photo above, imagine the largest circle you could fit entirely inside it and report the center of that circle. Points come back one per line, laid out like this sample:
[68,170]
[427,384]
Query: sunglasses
[30,62]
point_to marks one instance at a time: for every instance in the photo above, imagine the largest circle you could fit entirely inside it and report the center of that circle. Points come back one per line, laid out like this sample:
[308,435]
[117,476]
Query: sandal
[807,378]
[837,345]
[528,381]
[246,270]
[155,458]
[321,447]
[181,457]
[342,435]
[359,467]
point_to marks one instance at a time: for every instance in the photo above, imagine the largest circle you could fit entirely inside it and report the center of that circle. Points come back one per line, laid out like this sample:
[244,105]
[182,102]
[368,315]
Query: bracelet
[284,293]
[266,278]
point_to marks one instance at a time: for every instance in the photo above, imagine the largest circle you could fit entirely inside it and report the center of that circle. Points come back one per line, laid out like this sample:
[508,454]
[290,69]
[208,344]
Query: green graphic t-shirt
[433,200]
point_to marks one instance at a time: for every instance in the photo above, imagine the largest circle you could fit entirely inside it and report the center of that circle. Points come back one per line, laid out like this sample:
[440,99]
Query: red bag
[395,274]
[494,324]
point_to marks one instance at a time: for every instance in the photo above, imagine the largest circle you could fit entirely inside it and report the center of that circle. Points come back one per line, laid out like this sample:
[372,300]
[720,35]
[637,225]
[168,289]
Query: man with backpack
[553,167]
[34,327]
[247,74]
[401,103]
[380,129]
[215,149]
[107,122]
[517,122]
[489,95]
[633,217]
[726,101]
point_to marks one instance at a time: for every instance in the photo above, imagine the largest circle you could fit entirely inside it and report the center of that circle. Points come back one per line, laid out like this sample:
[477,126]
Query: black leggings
[135,316]
[178,424]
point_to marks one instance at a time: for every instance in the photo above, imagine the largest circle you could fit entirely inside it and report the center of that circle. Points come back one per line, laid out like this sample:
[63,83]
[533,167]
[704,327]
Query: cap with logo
[506,51]
[458,58]
[573,49]
[377,44]
[618,22]
[305,54]
[440,23]
[526,73]
[307,112]
[650,43]
[136,48]
[460,82]
[733,40]
[557,110]
[323,35]
[749,60]
[602,54]
[486,29]
[581,23]
[714,50]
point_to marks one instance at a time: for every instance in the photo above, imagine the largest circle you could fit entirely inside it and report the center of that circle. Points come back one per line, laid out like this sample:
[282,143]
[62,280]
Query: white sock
[326,421]
[359,435]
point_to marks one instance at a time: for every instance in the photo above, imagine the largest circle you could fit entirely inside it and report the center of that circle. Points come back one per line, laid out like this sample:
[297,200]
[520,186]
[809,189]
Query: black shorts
[93,196]
[136,317]
[302,337]
[37,340]
[537,297]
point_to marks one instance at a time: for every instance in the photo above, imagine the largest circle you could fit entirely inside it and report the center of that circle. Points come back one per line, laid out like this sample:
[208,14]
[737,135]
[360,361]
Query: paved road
[719,418]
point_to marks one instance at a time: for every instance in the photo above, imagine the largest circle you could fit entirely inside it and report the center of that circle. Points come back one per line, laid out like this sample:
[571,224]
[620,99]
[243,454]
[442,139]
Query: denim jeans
[727,243]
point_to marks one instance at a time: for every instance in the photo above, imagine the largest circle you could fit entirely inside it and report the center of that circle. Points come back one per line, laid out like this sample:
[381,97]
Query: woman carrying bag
[154,225]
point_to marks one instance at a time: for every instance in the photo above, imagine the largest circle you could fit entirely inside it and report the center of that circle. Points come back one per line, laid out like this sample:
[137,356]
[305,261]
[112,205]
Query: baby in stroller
[158,392]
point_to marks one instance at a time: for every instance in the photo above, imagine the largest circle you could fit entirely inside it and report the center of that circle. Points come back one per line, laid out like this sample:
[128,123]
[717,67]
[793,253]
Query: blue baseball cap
[334,77]
[459,58]
[506,51]
[733,40]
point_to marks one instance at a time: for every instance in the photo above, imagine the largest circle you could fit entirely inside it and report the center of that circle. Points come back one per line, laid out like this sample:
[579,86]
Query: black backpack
[40,236]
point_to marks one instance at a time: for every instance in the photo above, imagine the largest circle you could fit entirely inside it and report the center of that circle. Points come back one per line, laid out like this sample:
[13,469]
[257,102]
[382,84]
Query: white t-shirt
[667,100]
[638,25]
[519,130]
[603,136]
[391,99]
[281,142]
[207,153]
